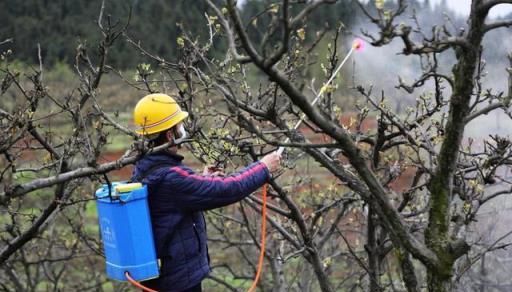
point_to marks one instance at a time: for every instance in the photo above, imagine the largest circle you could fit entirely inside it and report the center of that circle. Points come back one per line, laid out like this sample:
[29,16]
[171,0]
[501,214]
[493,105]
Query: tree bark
[437,236]
[372,249]
[438,282]
[408,272]
[323,279]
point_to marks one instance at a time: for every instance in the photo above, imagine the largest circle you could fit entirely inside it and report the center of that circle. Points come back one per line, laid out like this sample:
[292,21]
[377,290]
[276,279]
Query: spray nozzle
[358,45]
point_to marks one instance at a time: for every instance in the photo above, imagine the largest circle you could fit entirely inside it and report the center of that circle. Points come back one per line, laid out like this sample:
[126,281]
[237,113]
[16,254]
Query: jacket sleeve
[187,190]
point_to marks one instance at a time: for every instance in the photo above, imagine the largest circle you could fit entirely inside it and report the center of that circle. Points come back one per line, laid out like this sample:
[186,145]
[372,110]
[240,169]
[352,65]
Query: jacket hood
[159,158]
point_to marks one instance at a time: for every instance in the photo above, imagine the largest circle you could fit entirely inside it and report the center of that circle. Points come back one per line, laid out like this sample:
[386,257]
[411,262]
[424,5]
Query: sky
[463,6]
[459,6]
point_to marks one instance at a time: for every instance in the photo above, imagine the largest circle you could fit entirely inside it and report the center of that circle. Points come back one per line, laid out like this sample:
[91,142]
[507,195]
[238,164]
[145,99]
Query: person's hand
[272,161]
[213,170]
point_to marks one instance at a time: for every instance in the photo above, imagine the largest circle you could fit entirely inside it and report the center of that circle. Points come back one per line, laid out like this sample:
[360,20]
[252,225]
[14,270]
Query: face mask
[182,134]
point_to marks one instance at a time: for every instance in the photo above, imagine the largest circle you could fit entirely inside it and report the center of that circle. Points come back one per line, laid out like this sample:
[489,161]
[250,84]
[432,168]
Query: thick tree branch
[128,158]
[242,34]
[285,39]
[294,23]
[9,40]
[229,33]
[389,31]
[498,24]
[420,252]
[62,193]
[484,111]
[486,5]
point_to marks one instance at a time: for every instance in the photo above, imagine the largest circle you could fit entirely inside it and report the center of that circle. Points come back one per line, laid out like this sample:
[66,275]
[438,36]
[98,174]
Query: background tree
[59,26]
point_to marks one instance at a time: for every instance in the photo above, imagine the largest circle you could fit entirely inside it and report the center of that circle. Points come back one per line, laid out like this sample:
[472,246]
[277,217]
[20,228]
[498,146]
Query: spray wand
[357,45]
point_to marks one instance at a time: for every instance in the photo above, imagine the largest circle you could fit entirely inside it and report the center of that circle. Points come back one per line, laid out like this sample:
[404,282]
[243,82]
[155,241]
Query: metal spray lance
[357,45]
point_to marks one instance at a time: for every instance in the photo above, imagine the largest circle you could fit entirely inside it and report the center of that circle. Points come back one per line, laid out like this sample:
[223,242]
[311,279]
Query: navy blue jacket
[176,198]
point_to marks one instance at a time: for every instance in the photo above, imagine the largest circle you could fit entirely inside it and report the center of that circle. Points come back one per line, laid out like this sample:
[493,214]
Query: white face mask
[182,133]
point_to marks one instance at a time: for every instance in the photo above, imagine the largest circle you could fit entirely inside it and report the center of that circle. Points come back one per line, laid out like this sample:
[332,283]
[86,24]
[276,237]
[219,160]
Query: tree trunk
[276,266]
[437,234]
[372,250]
[408,273]
[437,282]
[483,275]
[323,280]
[305,278]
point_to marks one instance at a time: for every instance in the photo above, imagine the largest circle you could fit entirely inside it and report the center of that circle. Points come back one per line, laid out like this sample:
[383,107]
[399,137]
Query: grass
[210,285]
[91,214]
[118,143]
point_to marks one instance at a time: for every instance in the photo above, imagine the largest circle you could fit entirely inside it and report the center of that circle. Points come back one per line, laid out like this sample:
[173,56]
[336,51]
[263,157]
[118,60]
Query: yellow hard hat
[157,112]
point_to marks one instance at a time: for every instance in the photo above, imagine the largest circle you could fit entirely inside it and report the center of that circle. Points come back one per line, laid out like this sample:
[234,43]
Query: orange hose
[263,239]
[137,284]
[262,249]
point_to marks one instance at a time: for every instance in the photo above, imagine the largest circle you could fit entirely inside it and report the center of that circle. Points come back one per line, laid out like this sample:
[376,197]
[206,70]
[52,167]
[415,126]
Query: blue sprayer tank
[125,226]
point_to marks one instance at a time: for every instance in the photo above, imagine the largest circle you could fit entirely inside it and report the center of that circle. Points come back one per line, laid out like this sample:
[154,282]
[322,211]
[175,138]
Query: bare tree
[449,182]
[50,158]
[337,221]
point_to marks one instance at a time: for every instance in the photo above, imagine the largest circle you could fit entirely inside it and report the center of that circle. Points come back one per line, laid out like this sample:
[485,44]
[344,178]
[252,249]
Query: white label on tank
[107,233]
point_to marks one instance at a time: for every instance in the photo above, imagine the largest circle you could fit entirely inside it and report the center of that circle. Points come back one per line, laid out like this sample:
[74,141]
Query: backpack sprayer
[125,224]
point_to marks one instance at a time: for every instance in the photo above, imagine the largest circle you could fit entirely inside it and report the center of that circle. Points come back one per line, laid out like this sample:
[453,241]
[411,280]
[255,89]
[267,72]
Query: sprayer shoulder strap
[143,175]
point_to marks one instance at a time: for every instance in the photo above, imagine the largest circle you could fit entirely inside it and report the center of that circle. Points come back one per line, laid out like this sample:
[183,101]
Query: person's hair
[160,138]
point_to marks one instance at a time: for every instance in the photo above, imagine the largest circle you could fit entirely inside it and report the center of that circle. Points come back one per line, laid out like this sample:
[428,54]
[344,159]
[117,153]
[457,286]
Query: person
[178,196]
